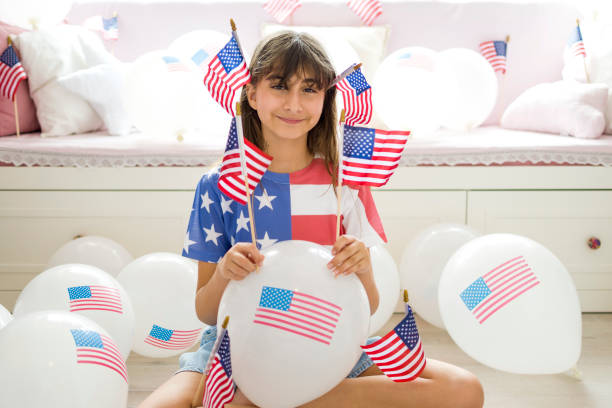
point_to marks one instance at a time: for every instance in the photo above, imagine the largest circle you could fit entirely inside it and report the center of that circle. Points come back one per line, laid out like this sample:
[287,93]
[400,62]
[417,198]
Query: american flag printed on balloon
[298,313]
[227,72]
[219,386]
[174,64]
[281,9]
[231,180]
[108,27]
[369,156]
[575,43]
[498,288]
[367,10]
[95,297]
[171,339]
[399,354]
[11,73]
[495,52]
[357,98]
[98,349]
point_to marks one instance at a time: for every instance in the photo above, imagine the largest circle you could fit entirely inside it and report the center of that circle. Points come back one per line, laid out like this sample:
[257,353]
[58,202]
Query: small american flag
[199,57]
[357,97]
[11,73]
[498,287]
[108,27]
[174,64]
[171,339]
[96,348]
[367,10]
[231,180]
[281,9]
[298,313]
[95,297]
[400,353]
[369,156]
[495,53]
[575,43]
[227,72]
[219,386]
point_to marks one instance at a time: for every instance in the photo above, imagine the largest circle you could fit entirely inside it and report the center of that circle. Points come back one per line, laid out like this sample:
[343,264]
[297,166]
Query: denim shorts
[196,361]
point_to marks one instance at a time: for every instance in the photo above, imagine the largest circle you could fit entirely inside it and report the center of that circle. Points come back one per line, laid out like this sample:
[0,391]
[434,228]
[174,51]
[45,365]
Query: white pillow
[370,43]
[563,107]
[49,53]
[102,86]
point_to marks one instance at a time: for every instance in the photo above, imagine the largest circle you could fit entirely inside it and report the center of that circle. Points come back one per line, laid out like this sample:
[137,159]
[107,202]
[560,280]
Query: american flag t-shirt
[281,9]
[219,386]
[367,10]
[399,354]
[357,98]
[11,73]
[498,287]
[172,339]
[575,43]
[227,72]
[495,52]
[231,180]
[286,206]
[369,156]
[98,349]
[298,313]
[95,297]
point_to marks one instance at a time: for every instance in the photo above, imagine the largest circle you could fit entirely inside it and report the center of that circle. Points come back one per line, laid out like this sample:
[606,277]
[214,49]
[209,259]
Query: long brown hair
[286,54]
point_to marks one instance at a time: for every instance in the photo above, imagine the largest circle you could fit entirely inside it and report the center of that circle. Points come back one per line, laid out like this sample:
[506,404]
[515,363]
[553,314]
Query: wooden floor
[501,389]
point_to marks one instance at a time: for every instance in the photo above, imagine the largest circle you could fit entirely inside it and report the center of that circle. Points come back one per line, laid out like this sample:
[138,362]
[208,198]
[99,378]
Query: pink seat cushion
[25,105]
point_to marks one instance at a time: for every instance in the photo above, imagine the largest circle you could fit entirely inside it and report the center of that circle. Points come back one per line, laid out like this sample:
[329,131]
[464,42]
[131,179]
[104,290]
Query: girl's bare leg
[176,392]
[440,385]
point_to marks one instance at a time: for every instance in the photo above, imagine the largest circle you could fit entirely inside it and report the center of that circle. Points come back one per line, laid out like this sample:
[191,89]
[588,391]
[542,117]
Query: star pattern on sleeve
[211,234]
[206,201]
[265,200]
[187,243]
[226,205]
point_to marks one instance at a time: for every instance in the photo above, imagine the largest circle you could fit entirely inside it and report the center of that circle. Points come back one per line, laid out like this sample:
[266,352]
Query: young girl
[289,112]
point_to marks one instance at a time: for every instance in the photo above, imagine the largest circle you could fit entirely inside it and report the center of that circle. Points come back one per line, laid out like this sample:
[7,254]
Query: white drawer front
[562,221]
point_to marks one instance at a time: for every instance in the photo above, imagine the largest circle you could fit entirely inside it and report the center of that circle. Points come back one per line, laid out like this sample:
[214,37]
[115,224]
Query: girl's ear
[250,91]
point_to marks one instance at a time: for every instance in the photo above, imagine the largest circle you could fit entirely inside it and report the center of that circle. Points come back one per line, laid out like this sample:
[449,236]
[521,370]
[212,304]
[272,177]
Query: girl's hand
[239,261]
[350,256]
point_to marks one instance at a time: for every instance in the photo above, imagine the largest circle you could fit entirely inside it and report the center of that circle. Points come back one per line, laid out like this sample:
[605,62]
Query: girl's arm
[352,256]
[236,264]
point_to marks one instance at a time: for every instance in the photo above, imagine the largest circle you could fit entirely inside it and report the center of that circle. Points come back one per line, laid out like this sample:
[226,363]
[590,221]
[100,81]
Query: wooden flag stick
[406,300]
[244,171]
[235,34]
[344,74]
[199,395]
[16,114]
[339,189]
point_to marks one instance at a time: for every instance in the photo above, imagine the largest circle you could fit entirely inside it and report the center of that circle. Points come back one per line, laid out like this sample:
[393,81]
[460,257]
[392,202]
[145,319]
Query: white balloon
[33,14]
[387,281]
[422,263]
[468,88]
[101,252]
[275,362]
[57,359]
[406,92]
[162,287]
[163,98]
[509,303]
[84,290]
[5,317]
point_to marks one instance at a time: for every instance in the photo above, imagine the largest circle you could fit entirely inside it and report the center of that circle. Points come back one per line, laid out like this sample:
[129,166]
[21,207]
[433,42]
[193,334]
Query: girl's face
[287,107]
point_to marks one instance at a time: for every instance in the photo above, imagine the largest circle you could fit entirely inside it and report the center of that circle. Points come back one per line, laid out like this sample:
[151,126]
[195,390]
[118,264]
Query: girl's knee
[467,391]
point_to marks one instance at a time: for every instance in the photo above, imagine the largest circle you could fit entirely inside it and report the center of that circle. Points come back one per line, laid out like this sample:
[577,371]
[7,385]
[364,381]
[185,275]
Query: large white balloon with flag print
[509,302]
[294,329]
[57,359]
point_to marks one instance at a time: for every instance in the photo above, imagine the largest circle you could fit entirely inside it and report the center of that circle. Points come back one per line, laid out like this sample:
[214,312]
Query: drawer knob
[594,243]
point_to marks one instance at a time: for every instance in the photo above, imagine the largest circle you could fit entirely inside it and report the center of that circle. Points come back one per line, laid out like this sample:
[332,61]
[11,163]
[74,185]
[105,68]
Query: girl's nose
[292,101]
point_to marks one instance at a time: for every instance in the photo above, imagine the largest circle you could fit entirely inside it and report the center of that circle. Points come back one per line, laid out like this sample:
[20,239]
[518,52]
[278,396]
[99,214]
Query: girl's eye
[310,90]
[278,86]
